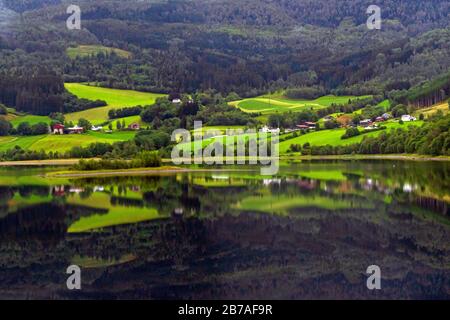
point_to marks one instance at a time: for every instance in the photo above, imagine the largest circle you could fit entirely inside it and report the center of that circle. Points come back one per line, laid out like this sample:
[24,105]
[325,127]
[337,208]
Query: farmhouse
[94,128]
[58,129]
[176,101]
[407,118]
[365,123]
[134,126]
[386,116]
[75,129]
[380,119]
[266,129]
[311,125]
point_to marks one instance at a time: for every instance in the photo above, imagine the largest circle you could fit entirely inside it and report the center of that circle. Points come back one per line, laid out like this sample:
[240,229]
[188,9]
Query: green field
[115,99]
[62,143]
[269,104]
[333,137]
[89,50]
[31,119]
[128,121]
[443,106]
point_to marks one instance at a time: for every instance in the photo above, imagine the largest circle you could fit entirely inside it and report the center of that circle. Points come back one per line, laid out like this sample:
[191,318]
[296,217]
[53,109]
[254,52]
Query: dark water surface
[310,232]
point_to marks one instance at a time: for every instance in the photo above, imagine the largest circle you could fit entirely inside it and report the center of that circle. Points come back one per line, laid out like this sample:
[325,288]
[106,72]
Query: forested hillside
[247,47]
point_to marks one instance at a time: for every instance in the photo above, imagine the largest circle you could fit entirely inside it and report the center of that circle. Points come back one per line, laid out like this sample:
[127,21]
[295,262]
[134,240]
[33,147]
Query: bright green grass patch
[62,143]
[385,104]
[333,137]
[89,50]
[31,119]
[128,120]
[277,103]
[25,143]
[115,99]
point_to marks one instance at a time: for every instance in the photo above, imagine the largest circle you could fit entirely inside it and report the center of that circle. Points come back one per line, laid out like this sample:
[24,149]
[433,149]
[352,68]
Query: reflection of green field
[19,202]
[128,194]
[12,180]
[117,215]
[218,183]
[335,175]
[281,204]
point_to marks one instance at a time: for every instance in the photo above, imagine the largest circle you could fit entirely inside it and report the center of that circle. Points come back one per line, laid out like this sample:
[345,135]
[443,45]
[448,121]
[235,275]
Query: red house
[58,129]
[134,126]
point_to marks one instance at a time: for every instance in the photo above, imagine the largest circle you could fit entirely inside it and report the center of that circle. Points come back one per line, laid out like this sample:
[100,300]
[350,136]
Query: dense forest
[247,47]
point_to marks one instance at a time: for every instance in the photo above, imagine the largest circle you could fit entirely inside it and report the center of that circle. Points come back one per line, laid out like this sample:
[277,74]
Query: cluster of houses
[61,129]
[367,124]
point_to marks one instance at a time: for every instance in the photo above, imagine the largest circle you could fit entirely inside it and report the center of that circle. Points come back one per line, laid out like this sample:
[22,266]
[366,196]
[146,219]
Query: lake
[309,232]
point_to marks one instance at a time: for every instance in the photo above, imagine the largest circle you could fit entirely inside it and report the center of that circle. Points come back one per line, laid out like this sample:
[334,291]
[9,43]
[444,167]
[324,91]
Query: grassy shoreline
[405,157]
[347,157]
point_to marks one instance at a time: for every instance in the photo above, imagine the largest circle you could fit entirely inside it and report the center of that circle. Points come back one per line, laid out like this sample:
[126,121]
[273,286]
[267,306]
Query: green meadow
[90,50]
[63,143]
[115,99]
[269,104]
[31,119]
[333,137]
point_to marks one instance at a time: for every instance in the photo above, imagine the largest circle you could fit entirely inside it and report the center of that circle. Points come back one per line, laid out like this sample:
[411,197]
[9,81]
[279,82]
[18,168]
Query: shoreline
[403,157]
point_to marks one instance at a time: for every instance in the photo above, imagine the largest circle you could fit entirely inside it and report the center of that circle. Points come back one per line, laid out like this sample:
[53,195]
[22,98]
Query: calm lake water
[310,232]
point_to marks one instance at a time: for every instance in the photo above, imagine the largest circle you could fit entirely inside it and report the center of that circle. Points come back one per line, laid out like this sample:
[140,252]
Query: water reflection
[310,232]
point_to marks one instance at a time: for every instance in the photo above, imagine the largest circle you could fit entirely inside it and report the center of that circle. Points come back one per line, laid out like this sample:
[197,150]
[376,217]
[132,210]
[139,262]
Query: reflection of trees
[257,255]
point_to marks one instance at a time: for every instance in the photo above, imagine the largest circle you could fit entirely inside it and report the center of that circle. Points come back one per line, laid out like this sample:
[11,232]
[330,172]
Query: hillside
[269,104]
[61,144]
[248,47]
[115,99]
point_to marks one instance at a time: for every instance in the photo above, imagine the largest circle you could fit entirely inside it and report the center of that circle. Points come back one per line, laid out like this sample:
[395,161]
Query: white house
[176,101]
[407,118]
[266,129]
[94,128]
